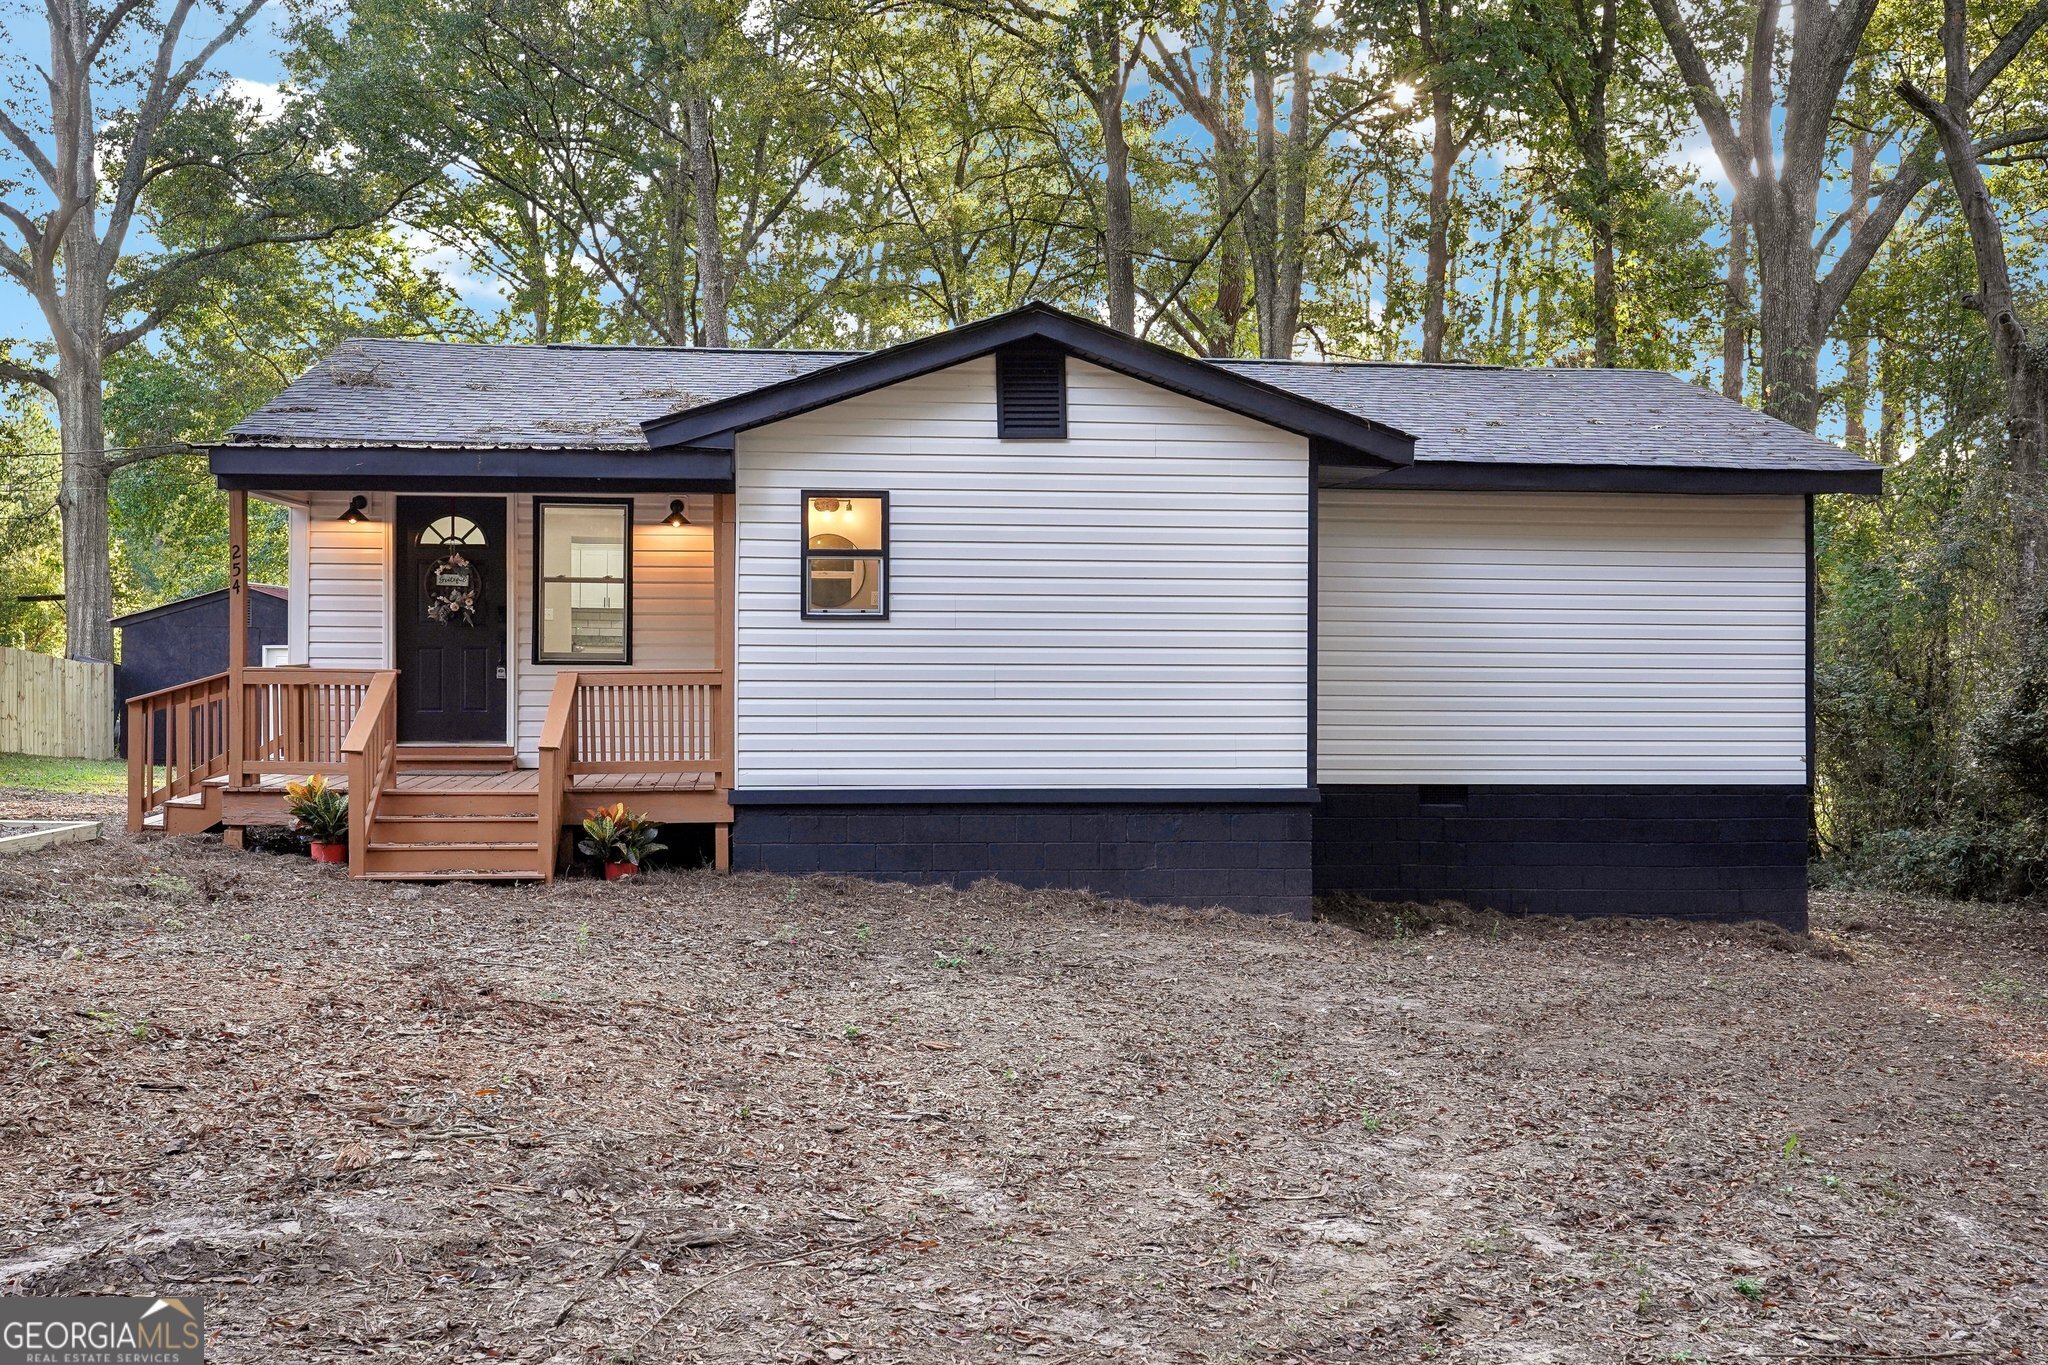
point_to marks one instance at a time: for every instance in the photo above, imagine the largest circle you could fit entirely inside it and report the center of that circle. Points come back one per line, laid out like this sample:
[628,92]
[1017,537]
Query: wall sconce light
[356,512]
[676,517]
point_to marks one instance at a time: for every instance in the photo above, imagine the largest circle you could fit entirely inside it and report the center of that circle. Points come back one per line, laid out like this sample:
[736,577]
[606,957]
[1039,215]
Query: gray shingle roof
[427,394]
[431,393]
[1496,415]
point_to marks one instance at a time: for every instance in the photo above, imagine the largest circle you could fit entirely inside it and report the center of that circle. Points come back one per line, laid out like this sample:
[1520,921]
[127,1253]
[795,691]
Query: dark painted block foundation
[1707,852]
[1248,856]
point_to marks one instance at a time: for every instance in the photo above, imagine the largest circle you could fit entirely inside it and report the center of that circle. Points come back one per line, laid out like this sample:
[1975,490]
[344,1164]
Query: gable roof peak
[717,424]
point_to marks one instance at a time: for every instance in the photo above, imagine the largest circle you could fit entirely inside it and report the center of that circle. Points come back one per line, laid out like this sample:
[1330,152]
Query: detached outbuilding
[1034,600]
[184,641]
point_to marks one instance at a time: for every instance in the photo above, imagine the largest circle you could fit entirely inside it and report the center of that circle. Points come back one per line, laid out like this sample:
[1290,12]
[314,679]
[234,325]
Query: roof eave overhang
[1363,441]
[1503,477]
[522,470]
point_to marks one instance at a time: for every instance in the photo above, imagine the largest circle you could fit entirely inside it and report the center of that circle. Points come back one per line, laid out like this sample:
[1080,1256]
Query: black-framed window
[583,581]
[846,556]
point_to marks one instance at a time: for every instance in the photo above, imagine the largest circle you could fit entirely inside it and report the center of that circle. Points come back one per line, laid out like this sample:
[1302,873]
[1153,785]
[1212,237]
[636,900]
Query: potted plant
[319,810]
[619,839]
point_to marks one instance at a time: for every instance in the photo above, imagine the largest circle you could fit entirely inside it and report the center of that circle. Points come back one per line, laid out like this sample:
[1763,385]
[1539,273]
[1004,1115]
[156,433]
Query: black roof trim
[1502,477]
[1374,442]
[197,599]
[535,470]
[1026,796]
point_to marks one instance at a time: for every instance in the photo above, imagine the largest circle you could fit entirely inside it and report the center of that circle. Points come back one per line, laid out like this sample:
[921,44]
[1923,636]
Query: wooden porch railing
[193,747]
[294,720]
[369,755]
[632,721]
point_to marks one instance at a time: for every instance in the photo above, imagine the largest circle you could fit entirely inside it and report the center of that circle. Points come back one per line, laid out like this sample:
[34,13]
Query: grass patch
[74,776]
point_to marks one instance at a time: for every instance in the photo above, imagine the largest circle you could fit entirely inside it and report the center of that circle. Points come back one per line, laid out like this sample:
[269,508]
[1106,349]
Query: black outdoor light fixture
[676,517]
[356,512]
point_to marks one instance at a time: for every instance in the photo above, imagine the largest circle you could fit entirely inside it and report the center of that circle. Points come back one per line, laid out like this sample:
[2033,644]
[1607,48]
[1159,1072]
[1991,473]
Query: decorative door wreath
[454,590]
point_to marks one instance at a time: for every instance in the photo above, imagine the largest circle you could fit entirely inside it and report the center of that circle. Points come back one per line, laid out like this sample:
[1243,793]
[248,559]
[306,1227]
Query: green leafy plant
[319,809]
[613,834]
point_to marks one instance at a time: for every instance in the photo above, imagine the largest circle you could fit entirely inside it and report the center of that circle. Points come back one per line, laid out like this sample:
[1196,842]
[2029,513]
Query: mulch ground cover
[747,1118]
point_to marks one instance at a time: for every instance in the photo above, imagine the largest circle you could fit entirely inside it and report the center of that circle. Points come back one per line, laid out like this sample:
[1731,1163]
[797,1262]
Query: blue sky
[252,60]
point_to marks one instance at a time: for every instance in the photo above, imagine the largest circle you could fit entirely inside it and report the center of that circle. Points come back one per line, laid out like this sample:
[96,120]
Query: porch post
[725,573]
[724,568]
[238,629]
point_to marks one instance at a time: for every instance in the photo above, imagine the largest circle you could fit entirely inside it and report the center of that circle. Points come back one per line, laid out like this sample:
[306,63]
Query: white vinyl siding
[300,530]
[1560,638]
[1123,608]
[674,625]
[346,592]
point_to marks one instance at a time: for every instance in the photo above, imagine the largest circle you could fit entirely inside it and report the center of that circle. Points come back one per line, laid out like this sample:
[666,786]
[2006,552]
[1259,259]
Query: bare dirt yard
[754,1119]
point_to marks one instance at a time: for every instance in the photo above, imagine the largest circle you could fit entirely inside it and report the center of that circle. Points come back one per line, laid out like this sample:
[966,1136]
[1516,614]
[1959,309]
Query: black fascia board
[1025,796]
[1368,442]
[533,469]
[1534,477]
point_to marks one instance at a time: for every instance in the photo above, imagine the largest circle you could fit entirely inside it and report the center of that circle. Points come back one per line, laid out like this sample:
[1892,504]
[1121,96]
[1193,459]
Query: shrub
[613,834]
[319,809]
[1965,859]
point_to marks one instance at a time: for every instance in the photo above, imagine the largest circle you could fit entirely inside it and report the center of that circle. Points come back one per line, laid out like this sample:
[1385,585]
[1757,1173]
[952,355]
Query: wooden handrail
[163,692]
[557,752]
[649,721]
[197,722]
[369,755]
[292,721]
[629,721]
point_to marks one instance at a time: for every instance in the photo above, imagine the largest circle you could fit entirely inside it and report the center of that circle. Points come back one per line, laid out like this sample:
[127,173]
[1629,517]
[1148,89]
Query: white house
[1033,600]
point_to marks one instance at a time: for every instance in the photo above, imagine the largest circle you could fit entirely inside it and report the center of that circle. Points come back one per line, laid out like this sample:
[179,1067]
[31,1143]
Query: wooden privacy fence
[59,708]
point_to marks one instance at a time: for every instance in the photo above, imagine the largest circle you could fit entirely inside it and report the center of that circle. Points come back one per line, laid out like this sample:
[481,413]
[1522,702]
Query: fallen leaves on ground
[754,1119]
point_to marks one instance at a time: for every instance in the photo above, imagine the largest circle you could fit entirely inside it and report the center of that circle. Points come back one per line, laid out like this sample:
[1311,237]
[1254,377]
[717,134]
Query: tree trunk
[1262,212]
[1599,158]
[1438,259]
[675,303]
[1735,302]
[1606,324]
[82,500]
[1390,334]
[2026,377]
[1788,315]
[1119,276]
[710,238]
[1856,372]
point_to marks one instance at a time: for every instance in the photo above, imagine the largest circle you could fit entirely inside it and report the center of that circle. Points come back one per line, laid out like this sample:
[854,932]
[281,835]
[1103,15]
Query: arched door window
[452,530]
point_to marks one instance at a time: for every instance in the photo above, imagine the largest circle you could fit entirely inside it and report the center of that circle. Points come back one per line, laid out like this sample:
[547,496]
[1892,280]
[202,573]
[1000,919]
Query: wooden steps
[192,813]
[435,829]
[462,829]
[458,805]
[454,859]
[453,876]
[456,758]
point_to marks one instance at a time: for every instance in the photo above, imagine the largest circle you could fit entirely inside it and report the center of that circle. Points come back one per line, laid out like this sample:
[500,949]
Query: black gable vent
[1031,391]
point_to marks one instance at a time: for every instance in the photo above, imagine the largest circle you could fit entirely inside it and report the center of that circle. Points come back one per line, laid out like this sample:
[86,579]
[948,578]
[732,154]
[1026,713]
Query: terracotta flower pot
[328,853]
[614,871]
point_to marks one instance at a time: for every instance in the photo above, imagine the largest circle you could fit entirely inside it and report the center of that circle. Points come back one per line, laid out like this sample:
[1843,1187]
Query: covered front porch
[478,764]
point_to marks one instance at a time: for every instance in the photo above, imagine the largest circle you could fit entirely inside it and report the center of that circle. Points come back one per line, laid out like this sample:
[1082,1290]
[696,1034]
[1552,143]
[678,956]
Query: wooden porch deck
[677,798]
[217,752]
[220,754]
[518,781]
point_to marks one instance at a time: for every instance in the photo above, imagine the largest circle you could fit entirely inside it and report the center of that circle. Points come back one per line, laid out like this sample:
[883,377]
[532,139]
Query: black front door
[451,613]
